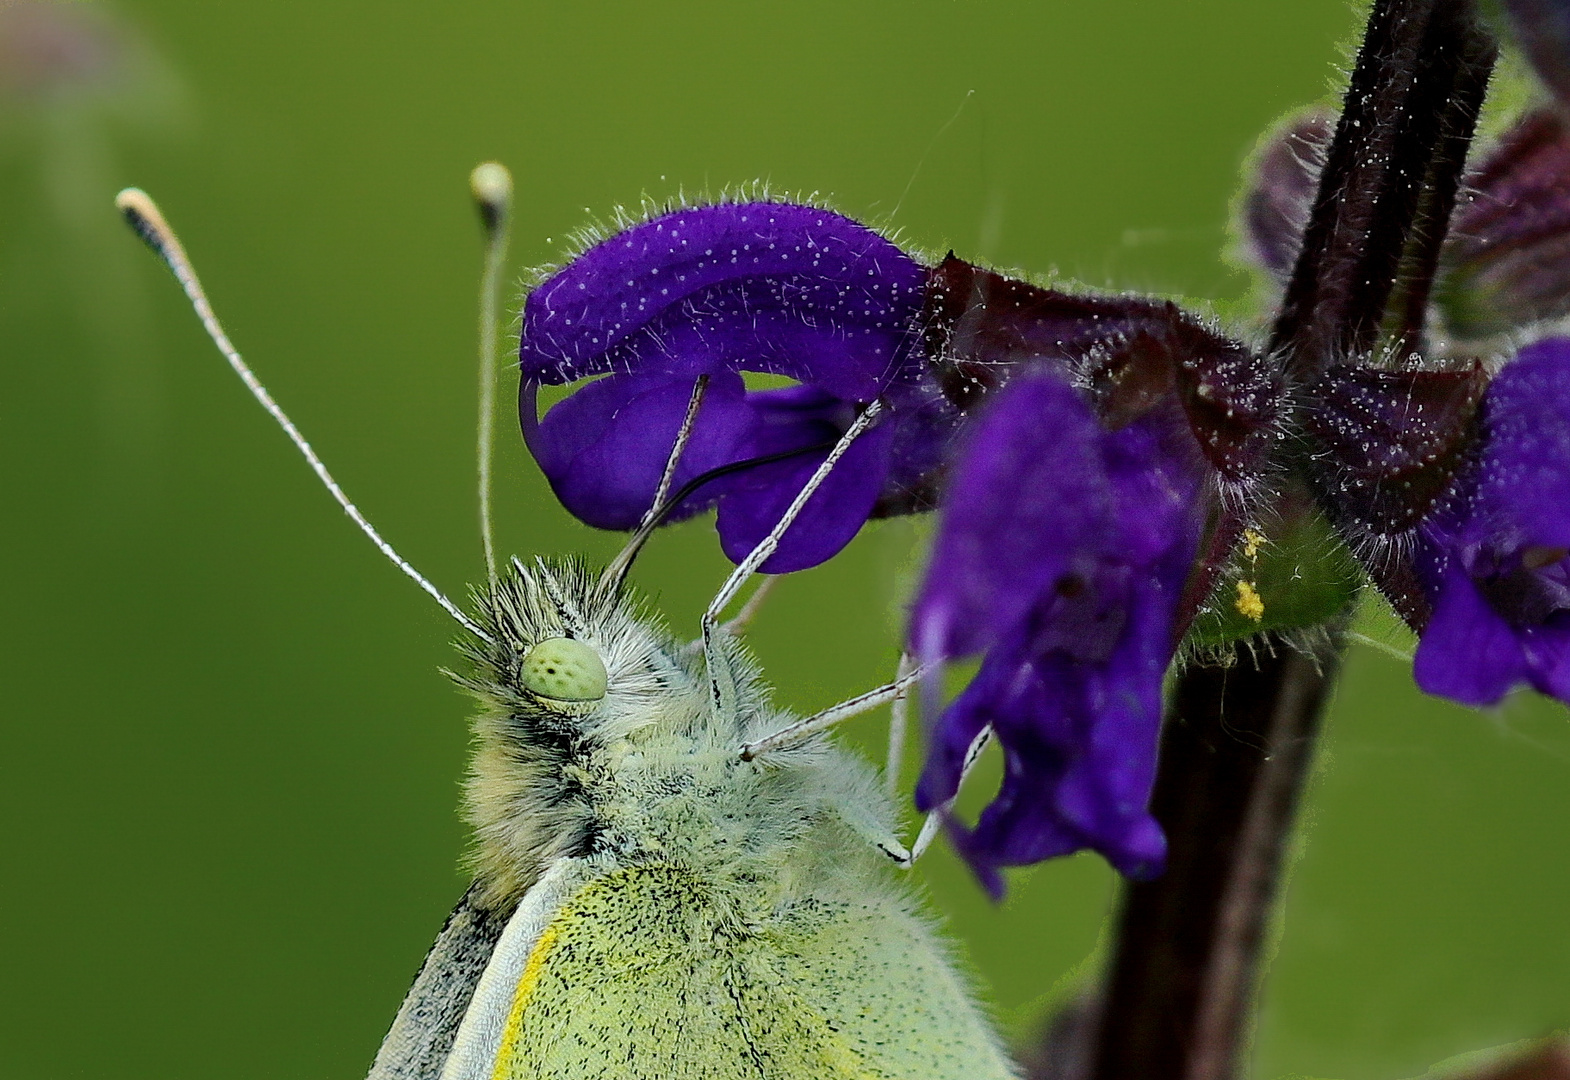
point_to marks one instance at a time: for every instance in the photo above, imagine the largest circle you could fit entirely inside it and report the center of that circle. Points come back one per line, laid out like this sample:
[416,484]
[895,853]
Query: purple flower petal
[776,288]
[1495,560]
[604,448]
[1079,732]
[755,500]
[770,287]
[1528,451]
[1007,534]
[1548,657]
[1468,653]
[926,425]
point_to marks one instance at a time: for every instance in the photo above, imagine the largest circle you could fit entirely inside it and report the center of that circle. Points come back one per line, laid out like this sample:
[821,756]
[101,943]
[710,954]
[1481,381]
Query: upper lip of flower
[769,287]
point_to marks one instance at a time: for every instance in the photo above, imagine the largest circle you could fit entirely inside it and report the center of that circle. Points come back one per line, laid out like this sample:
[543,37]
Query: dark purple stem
[1239,738]
[1235,752]
[1431,224]
[1399,148]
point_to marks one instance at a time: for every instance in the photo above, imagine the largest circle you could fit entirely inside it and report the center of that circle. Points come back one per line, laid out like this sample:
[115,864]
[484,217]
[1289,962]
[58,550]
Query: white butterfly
[673,878]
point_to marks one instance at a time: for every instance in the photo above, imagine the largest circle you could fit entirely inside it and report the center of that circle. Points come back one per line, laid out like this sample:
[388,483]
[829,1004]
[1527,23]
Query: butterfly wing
[889,989]
[421,1037]
[642,974]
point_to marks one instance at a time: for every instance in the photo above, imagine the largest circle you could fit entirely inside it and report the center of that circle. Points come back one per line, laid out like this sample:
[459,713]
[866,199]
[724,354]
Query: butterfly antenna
[143,215]
[491,185]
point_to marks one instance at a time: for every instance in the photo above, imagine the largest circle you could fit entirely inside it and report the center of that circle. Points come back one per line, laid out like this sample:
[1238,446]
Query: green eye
[563,669]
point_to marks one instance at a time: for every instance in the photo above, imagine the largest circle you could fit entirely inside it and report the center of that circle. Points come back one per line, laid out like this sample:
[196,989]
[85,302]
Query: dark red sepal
[1389,442]
[1132,354]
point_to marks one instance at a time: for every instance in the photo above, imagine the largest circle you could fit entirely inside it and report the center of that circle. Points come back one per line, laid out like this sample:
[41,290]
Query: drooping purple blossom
[1495,561]
[776,288]
[1087,479]
[1062,557]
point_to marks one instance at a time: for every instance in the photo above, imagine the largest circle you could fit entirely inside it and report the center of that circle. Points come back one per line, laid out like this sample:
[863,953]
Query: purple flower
[1062,556]
[1494,561]
[777,288]
[1454,491]
[1086,480]
[1099,436]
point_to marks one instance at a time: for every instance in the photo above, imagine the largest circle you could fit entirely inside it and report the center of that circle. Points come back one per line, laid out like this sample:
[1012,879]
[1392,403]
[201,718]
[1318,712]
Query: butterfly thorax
[649,774]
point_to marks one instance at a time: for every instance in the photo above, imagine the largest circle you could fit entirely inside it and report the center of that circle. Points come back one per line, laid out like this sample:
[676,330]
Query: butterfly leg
[929,827]
[818,721]
[737,624]
[899,722]
[865,823]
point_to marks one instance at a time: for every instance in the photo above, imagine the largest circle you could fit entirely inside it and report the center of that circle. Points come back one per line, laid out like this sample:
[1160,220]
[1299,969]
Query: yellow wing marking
[531,978]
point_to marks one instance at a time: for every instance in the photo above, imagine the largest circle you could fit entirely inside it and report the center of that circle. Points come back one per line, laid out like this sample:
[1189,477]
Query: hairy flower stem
[1389,181]
[1235,751]
[1238,740]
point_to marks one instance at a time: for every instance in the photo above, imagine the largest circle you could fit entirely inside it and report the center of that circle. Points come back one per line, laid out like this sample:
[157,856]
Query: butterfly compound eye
[563,669]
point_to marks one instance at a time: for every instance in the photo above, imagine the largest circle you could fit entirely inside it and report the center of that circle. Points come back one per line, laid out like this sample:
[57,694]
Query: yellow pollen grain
[1252,541]
[1249,605]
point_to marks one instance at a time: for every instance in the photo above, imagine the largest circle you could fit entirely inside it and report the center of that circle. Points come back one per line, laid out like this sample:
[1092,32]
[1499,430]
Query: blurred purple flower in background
[1542,30]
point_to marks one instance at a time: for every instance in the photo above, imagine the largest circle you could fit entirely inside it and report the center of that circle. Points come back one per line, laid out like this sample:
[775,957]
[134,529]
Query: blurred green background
[229,766]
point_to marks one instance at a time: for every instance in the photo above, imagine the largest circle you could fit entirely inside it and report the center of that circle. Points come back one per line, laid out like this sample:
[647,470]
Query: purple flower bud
[1495,560]
[1506,261]
[777,288]
[1279,193]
